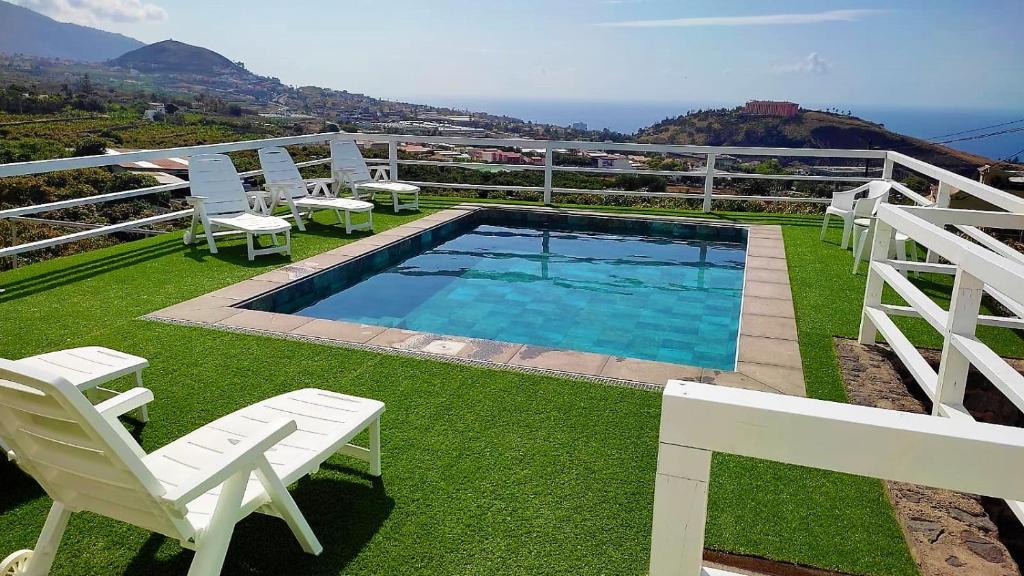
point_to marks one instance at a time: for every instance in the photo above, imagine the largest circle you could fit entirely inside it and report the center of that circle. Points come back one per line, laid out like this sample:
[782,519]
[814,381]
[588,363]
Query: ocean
[628,117]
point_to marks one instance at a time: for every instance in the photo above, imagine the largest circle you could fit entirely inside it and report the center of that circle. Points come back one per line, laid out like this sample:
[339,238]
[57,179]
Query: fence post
[393,160]
[549,161]
[873,290]
[709,182]
[680,510]
[887,167]
[942,197]
[962,320]
[14,242]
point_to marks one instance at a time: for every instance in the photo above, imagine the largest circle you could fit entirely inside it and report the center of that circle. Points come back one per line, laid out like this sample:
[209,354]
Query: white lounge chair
[348,168]
[194,489]
[285,185]
[843,203]
[222,206]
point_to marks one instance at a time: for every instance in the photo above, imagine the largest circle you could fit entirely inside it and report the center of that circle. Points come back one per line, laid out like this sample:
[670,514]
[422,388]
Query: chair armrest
[241,458]
[125,402]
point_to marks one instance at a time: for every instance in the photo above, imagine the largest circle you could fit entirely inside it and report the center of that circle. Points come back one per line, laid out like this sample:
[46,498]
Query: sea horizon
[628,117]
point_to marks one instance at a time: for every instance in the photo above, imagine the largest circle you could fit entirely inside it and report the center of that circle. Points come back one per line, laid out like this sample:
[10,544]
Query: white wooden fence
[698,420]
[548,190]
[976,269]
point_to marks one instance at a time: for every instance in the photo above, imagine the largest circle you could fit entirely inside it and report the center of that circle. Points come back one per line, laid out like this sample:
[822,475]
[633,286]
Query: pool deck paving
[768,357]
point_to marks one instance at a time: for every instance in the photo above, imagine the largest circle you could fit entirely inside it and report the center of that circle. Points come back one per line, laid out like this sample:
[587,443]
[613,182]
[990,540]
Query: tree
[171,107]
[90,147]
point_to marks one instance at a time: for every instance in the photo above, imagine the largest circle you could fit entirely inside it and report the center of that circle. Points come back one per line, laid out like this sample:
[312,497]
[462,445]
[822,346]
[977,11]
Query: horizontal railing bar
[61,204]
[996,321]
[474,186]
[631,171]
[998,371]
[797,199]
[994,270]
[470,165]
[38,166]
[920,301]
[955,217]
[992,243]
[918,367]
[994,196]
[123,226]
[799,177]
[908,193]
[83,225]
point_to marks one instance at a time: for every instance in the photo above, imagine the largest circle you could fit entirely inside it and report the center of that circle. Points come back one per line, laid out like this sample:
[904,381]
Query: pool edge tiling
[768,358]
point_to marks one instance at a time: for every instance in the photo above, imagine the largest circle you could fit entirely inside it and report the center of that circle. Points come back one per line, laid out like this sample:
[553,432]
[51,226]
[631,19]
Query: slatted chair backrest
[214,177]
[878,192]
[347,162]
[79,457]
[280,171]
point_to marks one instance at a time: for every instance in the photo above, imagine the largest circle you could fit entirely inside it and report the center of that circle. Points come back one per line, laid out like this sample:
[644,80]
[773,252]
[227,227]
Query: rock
[983,547]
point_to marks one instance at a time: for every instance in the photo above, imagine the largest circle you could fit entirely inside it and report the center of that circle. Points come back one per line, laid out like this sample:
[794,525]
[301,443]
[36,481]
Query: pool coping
[767,359]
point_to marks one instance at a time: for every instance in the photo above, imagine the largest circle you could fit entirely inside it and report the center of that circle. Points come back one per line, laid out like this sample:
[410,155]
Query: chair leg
[249,244]
[848,227]
[288,242]
[298,217]
[283,503]
[143,412]
[865,237]
[914,255]
[394,201]
[824,226]
[49,540]
[369,215]
[375,448]
[348,221]
[190,234]
[212,547]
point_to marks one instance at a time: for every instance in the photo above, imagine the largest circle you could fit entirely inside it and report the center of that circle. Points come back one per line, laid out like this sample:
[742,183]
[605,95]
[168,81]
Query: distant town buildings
[581,126]
[771,108]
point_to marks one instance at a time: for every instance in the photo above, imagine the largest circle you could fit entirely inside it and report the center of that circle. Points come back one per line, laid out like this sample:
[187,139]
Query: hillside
[23,31]
[173,57]
[809,129]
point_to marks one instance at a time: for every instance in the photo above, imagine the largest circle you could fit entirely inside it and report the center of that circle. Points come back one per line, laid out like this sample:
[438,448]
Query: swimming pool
[652,290]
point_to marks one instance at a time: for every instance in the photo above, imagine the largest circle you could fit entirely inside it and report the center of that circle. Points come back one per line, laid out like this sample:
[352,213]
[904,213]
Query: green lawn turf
[485,471]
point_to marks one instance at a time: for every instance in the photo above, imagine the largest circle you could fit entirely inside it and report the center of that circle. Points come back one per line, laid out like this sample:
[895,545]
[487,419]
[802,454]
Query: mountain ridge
[174,57]
[808,129]
[24,31]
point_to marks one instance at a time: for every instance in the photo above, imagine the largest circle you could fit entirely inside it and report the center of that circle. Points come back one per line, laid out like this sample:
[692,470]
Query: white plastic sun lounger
[221,204]
[348,168]
[285,185]
[194,489]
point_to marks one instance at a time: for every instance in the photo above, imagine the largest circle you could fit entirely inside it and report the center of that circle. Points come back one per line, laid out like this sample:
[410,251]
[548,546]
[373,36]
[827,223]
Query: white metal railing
[711,154]
[976,269]
[698,420]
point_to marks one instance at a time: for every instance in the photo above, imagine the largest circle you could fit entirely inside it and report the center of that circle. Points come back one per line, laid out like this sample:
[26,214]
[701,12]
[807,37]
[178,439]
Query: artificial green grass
[485,471]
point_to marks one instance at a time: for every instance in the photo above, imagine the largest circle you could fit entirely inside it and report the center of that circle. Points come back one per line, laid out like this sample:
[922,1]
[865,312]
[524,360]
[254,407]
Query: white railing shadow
[698,420]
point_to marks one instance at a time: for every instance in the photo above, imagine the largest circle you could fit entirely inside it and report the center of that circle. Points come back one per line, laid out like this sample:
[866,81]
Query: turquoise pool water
[666,299]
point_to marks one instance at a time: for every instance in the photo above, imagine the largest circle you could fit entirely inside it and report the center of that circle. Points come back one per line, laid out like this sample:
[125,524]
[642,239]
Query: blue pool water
[665,299]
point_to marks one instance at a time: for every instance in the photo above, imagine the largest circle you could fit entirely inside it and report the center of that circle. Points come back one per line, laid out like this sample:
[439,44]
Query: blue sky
[938,53]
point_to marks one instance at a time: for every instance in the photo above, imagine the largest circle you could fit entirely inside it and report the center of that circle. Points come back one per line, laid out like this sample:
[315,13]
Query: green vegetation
[485,471]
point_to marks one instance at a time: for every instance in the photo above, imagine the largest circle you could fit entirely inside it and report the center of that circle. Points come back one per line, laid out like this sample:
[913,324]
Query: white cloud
[93,12]
[762,20]
[813,64]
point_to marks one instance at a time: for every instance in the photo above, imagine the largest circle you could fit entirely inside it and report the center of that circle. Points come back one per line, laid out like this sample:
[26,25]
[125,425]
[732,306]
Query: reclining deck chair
[194,489]
[286,186]
[222,206]
[348,168]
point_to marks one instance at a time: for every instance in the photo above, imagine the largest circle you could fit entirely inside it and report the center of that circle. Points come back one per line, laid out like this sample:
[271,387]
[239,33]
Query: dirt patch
[949,533]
